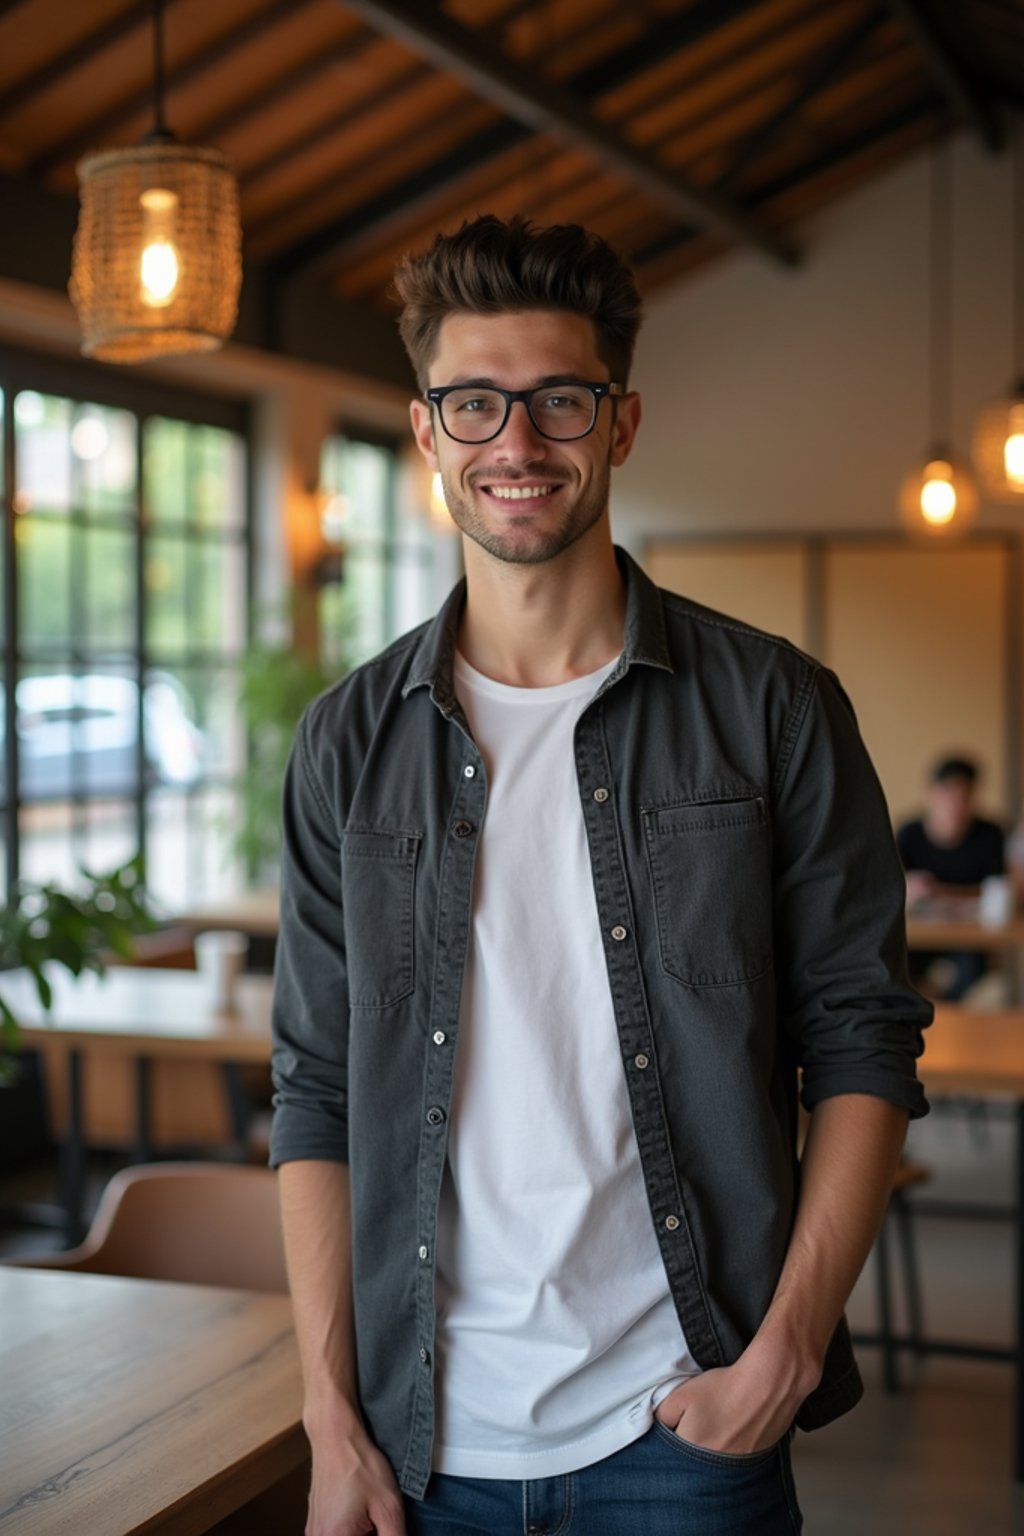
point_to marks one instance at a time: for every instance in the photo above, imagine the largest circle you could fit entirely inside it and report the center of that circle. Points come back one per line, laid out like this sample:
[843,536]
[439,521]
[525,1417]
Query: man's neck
[533,626]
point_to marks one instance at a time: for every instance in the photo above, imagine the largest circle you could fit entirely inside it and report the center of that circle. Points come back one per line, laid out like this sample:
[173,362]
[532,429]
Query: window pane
[77,735]
[413,597]
[45,844]
[364,579]
[166,579]
[360,474]
[193,474]
[188,843]
[107,836]
[193,724]
[45,617]
[220,612]
[73,456]
[109,566]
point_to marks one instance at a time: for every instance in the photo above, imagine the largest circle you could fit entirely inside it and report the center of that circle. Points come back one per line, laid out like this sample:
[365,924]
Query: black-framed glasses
[472,413]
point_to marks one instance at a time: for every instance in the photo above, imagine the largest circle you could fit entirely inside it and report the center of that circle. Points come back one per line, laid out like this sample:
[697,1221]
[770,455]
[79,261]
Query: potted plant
[78,929]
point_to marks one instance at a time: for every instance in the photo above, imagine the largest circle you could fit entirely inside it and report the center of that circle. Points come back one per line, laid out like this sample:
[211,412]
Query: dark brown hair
[495,266]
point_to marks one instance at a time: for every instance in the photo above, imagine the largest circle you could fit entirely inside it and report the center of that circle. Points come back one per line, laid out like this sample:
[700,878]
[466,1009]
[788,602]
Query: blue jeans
[658,1486]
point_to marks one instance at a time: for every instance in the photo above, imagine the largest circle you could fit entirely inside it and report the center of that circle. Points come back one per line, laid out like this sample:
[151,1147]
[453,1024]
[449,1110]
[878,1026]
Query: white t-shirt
[557,1335]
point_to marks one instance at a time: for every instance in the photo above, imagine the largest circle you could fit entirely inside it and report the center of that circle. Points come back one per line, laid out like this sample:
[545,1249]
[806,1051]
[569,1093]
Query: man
[576,878]
[949,852]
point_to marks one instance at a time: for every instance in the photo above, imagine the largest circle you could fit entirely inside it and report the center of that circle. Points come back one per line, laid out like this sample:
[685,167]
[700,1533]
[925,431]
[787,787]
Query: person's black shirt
[979,855]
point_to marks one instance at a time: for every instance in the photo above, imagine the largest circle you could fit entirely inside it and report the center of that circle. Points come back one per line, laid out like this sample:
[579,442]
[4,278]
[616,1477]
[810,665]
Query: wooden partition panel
[919,639]
[764,582]
[923,638]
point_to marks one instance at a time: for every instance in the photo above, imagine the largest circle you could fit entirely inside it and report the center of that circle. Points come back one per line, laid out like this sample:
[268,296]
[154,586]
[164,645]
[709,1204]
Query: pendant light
[997,447]
[156,267]
[938,497]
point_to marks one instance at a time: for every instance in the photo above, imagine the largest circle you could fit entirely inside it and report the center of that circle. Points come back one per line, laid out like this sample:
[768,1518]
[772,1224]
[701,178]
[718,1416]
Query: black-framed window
[387,565]
[127,563]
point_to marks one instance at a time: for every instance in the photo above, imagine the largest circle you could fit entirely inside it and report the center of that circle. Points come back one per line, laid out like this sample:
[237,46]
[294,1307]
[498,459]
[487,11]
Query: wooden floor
[934,1459]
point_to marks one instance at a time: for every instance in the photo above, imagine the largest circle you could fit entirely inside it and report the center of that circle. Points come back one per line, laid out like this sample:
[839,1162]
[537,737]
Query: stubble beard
[525,543]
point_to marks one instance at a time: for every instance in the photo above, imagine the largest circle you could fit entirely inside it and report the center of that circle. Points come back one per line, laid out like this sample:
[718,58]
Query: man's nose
[519,435]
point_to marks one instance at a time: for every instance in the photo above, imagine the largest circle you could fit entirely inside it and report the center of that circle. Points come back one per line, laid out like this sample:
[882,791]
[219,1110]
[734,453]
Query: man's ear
[624,429]
[422,417]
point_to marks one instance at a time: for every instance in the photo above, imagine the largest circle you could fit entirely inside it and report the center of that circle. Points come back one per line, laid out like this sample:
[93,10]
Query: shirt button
[424,1356]
[641,1062]
[469,771]
[424,1251]
[435,1116]
[439,1037]
[671,1223]
[601,795]
[618,933]
[462,828]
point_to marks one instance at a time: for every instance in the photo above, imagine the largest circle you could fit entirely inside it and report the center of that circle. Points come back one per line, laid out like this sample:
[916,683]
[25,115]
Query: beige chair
[203,1223]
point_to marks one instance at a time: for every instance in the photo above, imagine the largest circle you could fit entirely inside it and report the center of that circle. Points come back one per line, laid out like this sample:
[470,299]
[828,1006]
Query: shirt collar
[645,642]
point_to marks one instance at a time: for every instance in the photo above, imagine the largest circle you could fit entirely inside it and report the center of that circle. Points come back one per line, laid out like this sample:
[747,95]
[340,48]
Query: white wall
[779,399]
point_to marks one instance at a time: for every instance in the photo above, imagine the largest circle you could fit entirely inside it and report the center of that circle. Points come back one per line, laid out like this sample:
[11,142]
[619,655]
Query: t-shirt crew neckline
[510,693]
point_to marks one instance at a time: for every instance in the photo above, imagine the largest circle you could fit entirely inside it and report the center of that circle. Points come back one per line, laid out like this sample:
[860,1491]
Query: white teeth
[519,492]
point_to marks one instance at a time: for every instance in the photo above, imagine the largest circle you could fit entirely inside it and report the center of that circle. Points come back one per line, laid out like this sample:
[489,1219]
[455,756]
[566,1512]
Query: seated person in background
[949,852]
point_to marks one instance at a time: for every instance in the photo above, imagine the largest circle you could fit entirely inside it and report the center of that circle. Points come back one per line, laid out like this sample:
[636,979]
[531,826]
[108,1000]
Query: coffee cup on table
[220,960]
[995,906]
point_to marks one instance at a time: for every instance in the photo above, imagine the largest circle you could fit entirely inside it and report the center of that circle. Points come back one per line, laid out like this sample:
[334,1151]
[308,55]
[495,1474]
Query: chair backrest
[203,1223]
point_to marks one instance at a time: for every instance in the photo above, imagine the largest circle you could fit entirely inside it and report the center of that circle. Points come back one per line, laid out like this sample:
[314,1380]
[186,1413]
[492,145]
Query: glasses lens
[473,415]
[563,410]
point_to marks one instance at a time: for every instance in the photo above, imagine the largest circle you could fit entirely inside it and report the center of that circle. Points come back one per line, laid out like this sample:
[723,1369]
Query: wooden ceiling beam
[949,74]
[92,133]
[545,107]
[47,74]
[835,60]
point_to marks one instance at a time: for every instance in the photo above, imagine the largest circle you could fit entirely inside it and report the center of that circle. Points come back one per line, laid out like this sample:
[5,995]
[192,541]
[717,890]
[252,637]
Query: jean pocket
[710,869]
[378,892]
[713,1458]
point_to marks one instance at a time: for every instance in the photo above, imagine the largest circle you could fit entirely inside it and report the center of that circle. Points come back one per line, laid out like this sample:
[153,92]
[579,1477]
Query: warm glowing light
[938,497]
[1013,459]
[159,268]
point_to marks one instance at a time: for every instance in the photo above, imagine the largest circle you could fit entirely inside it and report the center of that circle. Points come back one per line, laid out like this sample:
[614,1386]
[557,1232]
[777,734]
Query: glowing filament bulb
[938,496]
[158,269]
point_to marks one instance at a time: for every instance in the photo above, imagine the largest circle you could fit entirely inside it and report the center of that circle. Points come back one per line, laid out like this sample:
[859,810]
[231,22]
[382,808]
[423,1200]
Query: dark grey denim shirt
[751,906]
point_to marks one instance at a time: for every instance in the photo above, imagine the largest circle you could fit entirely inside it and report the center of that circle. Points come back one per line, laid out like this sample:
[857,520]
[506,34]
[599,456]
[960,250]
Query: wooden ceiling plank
[86,48]
[544,106]
[947,72]
[231,118]
[836,59]
[413,197]
[111,118]
[317,131]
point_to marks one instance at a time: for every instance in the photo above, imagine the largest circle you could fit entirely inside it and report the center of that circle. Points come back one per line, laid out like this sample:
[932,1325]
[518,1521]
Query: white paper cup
[995,906]
[220,960]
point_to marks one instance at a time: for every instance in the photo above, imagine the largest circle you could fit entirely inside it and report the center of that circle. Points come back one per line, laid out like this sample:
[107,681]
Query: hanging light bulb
[156,267]
[938,497]
[159,267]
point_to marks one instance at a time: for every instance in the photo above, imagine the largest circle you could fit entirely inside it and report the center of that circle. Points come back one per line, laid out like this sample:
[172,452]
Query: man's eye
[561,402]
[473,405]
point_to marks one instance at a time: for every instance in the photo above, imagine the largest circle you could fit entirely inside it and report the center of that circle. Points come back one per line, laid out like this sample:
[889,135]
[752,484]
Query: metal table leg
[143,1129]
[72,1155]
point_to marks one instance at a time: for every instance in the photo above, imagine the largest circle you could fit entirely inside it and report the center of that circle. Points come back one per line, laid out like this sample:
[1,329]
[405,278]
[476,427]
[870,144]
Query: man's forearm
[317,1221]
[852,1149]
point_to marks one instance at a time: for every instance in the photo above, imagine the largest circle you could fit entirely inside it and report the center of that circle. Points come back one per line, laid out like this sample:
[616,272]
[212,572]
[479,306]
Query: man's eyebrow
[485,382]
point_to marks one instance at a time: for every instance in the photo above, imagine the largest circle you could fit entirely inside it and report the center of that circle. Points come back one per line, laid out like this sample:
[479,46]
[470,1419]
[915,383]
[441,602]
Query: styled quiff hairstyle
[494,266]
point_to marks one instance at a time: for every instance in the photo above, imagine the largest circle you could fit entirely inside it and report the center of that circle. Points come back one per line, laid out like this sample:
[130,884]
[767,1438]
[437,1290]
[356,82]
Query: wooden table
[964,933]
[967,1052]
[254,912]
[145,1014]
[139,1406]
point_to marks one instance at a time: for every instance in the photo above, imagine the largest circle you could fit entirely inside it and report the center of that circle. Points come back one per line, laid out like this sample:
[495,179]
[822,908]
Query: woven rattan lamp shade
[181,200]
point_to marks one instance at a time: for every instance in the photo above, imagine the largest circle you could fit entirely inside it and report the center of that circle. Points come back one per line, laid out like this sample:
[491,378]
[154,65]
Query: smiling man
[581,882]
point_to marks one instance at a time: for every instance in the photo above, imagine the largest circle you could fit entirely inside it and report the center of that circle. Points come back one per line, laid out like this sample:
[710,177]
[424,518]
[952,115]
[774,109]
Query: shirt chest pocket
[710,870]
[378,890]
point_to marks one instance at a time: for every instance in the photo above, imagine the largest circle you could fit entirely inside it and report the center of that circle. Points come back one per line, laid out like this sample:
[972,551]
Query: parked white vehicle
[80,734]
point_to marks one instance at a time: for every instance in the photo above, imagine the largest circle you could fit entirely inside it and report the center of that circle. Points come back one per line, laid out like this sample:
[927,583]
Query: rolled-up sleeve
[310,1014]
[854,1021]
